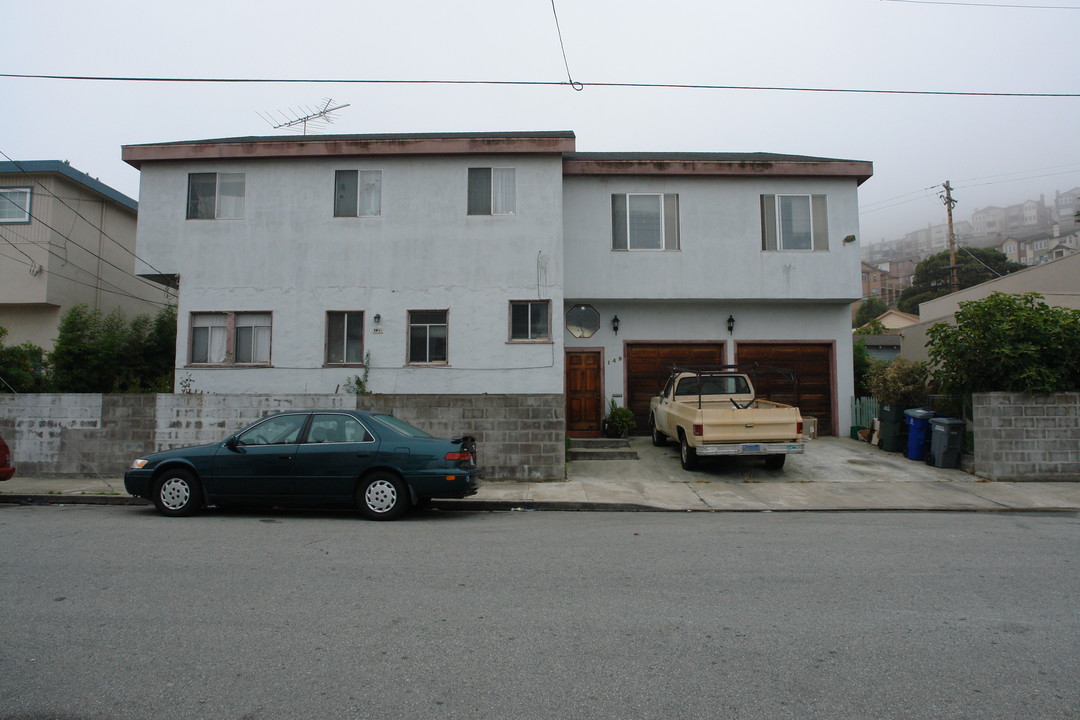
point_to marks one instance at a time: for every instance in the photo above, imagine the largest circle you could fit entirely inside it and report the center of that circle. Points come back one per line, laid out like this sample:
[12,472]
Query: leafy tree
[105,353]
[21,367]
[870,309]
[874,327]
[1011,343]
[933,276]
[861,361]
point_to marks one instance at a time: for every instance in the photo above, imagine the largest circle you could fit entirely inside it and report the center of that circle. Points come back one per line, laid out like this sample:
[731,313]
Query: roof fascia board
[316,147]
[860,170]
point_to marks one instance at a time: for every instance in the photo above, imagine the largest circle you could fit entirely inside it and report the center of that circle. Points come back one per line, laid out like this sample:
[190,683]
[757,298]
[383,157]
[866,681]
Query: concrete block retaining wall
[520,437]
[1027,437]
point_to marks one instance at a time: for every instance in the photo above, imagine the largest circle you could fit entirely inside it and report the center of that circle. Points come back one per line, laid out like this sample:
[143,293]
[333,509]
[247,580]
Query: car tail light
[699,430]
[459,455]
[798,428]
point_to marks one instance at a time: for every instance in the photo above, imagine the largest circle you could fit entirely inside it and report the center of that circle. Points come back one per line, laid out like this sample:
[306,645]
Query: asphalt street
[116,612]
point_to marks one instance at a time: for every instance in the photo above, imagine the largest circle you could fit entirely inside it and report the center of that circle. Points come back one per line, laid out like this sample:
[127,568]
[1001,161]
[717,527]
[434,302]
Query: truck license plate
[751,448]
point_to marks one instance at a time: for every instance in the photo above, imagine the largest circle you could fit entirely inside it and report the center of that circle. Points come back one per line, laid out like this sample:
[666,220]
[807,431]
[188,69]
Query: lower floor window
[427,336]
[530,320]
[230,338]
[344,338]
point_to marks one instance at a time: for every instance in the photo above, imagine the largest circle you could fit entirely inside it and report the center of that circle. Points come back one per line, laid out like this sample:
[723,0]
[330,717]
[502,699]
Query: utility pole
[950,202]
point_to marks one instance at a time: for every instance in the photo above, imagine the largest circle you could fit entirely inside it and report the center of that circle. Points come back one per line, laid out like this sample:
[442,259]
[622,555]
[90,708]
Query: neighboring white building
[497,263]
[65,239]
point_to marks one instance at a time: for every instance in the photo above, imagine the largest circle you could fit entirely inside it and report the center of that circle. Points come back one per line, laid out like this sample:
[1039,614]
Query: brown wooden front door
[584,392]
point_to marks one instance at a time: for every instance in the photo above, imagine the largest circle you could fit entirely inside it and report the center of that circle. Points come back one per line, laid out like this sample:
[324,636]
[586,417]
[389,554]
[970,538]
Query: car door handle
[363,454]
[284,457]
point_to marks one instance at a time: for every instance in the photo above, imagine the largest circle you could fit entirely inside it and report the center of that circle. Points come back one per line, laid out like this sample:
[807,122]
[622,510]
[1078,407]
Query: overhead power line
[577,85]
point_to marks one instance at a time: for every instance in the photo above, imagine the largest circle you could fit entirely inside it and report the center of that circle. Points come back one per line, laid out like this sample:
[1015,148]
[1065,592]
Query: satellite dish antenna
[299,120]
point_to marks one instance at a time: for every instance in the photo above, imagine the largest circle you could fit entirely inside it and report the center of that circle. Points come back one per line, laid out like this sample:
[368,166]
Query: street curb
[550,506]
[24,499]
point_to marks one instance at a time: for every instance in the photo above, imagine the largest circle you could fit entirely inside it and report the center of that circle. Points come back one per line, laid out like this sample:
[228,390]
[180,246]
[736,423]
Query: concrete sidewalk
[835,474]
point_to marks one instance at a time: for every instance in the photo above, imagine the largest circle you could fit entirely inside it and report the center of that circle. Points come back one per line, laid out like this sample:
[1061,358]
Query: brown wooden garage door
[648,366]
[812,363]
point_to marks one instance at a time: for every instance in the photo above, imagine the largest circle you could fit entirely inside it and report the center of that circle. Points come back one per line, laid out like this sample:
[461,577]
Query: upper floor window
[530,320]
[215,196]
[15,205]
[491,191]
[427,336]
[344,338]
[644,221]
[794,222]
[358,193]
[225,338]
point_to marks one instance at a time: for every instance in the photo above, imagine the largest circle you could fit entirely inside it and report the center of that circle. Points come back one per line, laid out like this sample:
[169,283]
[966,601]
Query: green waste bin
[892,432]
[946,442]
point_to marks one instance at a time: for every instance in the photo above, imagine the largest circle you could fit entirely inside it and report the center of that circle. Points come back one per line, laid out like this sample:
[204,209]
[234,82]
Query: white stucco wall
[662,321]
[720,242]
[291,257]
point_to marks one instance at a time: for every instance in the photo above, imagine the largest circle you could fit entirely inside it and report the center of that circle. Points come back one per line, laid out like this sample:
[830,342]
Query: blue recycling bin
[918,424]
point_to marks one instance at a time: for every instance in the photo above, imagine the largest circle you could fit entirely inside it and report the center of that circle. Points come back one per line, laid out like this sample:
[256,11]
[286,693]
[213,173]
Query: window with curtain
[794,222]
[530,320]
[252,338]
[644,221]
[427,336]
[216,196]
[344,338]
[15,205]
[492,191]
[225,338]
[358,193]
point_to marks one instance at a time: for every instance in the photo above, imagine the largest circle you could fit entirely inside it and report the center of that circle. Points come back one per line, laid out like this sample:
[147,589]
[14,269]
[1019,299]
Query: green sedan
[374,461]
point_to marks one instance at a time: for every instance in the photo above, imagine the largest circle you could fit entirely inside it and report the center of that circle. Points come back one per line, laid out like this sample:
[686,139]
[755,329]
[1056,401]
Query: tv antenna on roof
[299,120]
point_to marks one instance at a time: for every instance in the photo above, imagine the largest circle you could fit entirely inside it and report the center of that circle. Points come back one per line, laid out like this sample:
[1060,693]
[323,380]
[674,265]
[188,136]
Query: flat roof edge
[315,146]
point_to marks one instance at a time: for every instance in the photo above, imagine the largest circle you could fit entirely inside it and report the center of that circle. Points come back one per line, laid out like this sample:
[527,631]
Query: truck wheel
[659,439]
[687,455]
[775,462]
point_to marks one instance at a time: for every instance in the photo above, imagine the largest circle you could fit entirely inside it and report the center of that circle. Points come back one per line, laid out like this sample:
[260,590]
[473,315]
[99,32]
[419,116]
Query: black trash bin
[918,424]
[946,442]
[892,432]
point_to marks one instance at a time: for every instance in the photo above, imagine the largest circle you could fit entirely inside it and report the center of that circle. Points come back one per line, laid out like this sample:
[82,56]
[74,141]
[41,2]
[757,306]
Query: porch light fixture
[615,324]
[377,318]
[730,324]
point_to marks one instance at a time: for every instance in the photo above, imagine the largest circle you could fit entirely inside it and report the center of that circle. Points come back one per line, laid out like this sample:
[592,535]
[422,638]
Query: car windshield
[400,426]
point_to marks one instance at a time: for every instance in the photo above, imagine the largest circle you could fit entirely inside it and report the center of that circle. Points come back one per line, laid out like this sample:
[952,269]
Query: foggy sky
[994,150]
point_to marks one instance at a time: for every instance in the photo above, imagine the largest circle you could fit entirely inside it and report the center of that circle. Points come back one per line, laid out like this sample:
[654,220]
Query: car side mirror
[231,443]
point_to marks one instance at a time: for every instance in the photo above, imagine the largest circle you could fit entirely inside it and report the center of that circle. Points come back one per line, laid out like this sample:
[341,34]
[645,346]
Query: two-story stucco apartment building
[500,263]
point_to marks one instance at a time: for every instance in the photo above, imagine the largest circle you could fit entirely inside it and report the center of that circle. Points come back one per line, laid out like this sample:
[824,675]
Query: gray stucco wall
[1027,437]
[518,436]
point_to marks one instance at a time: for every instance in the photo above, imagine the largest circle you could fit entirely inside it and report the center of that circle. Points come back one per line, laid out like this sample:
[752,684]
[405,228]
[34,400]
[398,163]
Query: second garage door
[813,366]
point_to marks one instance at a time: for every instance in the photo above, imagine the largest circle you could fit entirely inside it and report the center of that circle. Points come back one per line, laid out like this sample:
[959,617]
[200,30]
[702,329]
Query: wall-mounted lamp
[377,318]
[849,239]
[615,324]
[730,324]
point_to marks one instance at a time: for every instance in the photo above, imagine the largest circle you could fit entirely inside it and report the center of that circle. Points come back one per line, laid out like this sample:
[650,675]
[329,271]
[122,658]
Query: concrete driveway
[826,459]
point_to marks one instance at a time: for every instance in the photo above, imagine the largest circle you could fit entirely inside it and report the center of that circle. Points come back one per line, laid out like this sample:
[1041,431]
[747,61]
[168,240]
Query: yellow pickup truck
[715,412]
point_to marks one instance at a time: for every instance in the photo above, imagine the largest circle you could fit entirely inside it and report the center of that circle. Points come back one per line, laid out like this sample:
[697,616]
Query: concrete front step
[601,454]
